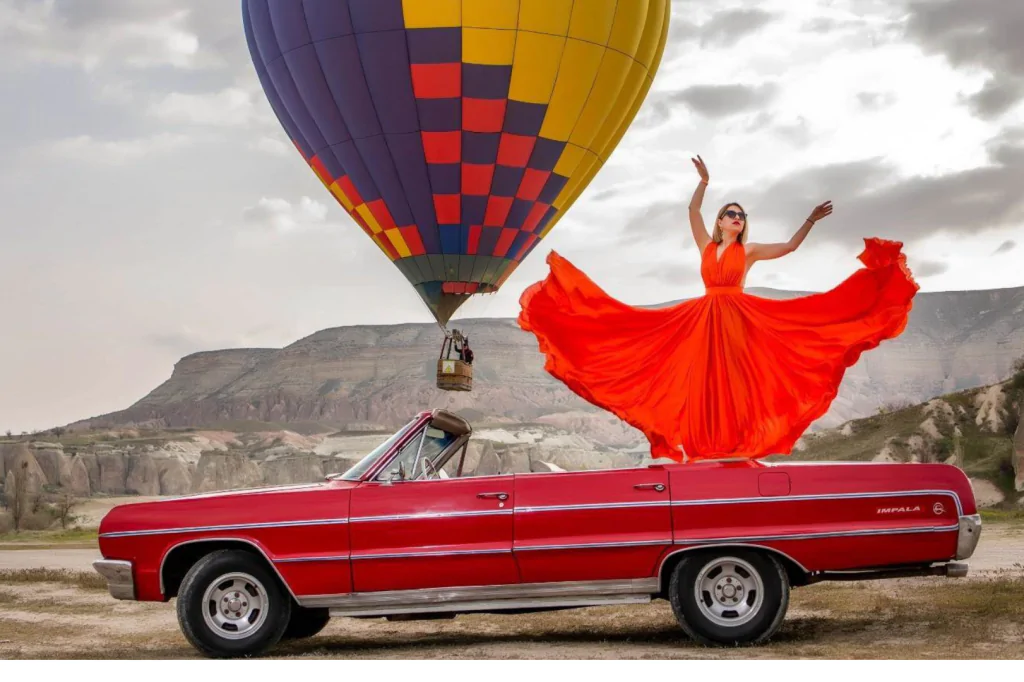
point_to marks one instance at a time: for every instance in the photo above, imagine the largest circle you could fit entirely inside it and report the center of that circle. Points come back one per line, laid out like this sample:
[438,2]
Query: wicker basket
[454,375]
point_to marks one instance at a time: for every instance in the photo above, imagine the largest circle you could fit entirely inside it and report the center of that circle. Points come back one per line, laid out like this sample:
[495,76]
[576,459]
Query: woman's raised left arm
[770,251]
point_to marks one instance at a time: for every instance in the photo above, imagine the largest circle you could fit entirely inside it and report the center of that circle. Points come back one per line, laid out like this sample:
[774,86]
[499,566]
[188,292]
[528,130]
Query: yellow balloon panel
[537,59]
[545,16]
[489,46]
[432,13]
[592,21]
[490,14]
[576,74]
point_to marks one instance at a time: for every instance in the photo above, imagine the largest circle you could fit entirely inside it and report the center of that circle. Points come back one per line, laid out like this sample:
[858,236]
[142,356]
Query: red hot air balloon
[455,133]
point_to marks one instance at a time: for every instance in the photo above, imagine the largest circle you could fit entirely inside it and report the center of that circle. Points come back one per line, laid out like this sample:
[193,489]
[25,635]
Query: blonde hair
[716,236]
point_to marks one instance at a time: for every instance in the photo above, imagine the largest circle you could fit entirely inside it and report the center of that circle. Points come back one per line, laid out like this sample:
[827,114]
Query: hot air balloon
[455,133]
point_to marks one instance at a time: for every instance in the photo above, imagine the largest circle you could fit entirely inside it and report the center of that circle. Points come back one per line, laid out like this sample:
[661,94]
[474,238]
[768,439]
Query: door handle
[657,487]
[499,496]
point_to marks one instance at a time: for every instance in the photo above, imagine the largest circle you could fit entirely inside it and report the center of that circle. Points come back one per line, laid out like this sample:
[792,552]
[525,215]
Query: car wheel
[306,622]
[729,598]
[230,605]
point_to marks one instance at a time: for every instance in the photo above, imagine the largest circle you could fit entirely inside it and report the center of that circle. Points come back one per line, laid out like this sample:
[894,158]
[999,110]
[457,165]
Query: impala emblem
[938,509]
[899,510]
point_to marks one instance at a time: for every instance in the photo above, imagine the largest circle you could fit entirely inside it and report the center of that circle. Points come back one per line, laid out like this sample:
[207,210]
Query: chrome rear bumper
[119,577]
[968,535]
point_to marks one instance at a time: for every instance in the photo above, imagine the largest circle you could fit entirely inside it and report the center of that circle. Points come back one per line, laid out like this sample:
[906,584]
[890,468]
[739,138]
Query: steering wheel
[433,469]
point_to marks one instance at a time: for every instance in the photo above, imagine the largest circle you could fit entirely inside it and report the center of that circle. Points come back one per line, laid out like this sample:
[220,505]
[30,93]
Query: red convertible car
[405,533]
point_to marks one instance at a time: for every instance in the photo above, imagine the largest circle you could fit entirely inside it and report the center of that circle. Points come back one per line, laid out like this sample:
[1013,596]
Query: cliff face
[379,375]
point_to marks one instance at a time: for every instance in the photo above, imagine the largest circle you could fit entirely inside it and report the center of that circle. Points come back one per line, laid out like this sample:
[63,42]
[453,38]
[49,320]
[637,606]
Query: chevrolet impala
[407,533]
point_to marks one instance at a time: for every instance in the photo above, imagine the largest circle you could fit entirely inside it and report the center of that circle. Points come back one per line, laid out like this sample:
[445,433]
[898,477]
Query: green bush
[1017,379]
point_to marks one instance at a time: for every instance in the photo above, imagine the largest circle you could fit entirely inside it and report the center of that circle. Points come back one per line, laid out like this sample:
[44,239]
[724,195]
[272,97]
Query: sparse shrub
[1012,421]
[38,520]
[893,406]
[62,508]
[6,523]
[944,447]
[9,433]
[1017,378]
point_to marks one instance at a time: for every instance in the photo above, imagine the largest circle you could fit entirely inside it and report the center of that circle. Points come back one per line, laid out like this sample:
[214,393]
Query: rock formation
[1018,452]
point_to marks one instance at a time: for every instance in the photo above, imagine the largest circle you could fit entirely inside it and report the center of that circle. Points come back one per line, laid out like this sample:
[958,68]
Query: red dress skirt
[724,375]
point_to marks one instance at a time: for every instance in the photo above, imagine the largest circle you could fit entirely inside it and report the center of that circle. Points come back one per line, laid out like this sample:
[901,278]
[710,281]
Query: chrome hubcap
[235,605]
[729,591]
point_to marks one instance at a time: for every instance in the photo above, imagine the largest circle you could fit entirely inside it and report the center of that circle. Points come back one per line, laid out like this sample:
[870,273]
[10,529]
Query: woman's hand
[701,168]
[821,211]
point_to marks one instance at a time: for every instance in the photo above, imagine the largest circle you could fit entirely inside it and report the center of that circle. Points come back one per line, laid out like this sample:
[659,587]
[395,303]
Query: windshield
[418,458]
[366,463]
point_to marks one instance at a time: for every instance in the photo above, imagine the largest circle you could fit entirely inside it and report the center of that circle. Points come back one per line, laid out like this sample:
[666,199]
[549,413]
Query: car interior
[438,452]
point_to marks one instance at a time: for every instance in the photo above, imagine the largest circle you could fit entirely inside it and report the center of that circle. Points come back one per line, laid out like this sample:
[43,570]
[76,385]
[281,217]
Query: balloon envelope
[455,133]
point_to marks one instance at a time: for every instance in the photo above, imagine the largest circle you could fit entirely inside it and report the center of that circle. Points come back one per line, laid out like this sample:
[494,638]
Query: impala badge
[899,510]
[938,509]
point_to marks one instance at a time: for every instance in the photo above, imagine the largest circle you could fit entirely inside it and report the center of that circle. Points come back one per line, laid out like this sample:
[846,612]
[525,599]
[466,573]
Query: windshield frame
[367,466]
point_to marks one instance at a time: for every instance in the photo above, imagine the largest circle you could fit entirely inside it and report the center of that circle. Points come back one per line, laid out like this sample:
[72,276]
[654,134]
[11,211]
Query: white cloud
[40,31]
[87,149]
[272,145]
[230,107]
[284,217]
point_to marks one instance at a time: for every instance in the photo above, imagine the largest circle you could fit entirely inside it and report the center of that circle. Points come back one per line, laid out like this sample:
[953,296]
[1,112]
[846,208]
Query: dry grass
[1011,517]
[82,536]
[82,579]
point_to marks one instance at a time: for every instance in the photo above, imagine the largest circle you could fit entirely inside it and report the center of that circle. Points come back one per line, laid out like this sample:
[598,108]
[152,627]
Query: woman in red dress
[727,374]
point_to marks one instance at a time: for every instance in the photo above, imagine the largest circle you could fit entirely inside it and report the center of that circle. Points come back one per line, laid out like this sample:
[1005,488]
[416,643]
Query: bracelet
[703,182]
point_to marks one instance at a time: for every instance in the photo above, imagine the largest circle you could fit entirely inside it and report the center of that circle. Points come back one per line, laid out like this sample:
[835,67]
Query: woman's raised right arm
[700,232]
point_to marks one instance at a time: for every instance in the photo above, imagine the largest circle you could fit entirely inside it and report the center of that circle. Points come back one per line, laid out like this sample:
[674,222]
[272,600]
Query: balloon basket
[454,375]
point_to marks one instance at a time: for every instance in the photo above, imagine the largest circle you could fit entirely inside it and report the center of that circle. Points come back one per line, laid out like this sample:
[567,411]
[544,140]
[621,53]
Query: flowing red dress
[724,375]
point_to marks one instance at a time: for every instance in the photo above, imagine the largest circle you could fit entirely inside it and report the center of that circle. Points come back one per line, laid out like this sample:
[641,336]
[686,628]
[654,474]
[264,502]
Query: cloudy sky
[152,207]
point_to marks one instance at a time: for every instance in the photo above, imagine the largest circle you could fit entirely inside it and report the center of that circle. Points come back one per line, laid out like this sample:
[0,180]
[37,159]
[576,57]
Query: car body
[405,533]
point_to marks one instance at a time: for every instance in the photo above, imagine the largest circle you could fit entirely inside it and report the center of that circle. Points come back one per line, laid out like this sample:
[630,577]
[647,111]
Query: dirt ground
[981,616]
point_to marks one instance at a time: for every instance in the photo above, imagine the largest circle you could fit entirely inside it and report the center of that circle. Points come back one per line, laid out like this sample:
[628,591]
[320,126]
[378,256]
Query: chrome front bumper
[968,535]
[119,577]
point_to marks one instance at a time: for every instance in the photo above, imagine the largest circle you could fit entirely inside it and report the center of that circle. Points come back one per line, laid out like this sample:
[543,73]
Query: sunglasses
[736,214]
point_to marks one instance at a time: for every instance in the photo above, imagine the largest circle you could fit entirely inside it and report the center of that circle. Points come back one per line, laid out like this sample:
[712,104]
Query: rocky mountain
[979,430]
[376,377]
[178,462]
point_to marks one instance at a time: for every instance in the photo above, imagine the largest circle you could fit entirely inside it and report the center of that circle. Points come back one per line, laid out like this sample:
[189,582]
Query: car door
[442,532]
[591,525]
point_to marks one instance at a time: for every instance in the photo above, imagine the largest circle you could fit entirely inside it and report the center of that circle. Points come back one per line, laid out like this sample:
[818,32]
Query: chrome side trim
[301,559]
[495,605]
[404,555]
[805,498]
[453,598]
[429,515]
[969,533]
[236,526]
[270,562]
[118,575]
[609,505]
[463,552]
[593,545]
[815,536]
[264,490]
